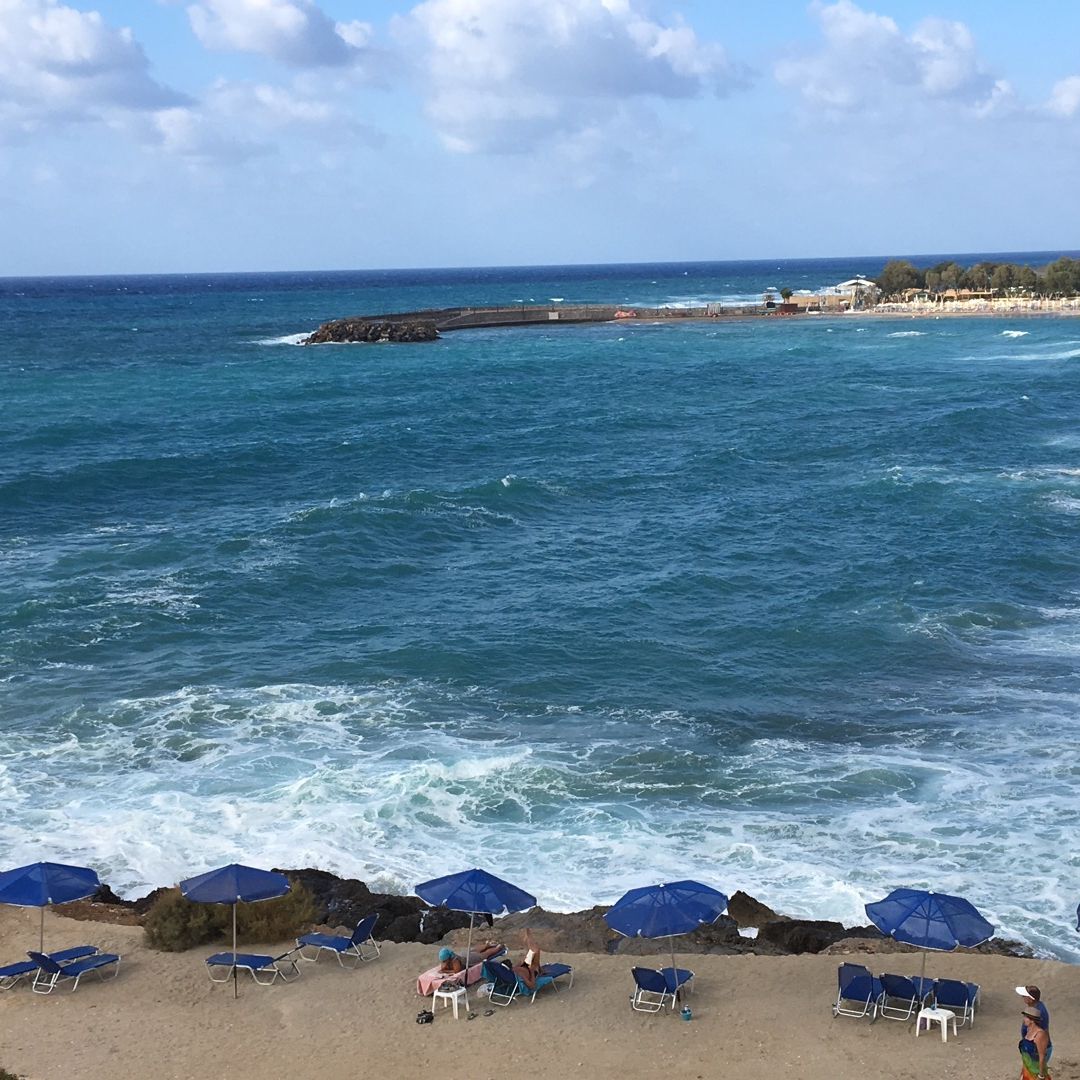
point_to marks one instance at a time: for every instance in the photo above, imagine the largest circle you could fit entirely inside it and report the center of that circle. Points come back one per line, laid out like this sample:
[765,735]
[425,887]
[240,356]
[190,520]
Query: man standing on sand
[1033,1001]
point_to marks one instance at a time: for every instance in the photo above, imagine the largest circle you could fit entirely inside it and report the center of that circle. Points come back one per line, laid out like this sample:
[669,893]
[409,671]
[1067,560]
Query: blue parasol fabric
[658,911]
[475,891]
[233,884]
[1078,917]
[929,920]
[43,883]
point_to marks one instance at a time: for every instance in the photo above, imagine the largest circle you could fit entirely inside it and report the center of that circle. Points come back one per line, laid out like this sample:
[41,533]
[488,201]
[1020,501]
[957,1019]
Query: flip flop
[471,1016]
[489,1012]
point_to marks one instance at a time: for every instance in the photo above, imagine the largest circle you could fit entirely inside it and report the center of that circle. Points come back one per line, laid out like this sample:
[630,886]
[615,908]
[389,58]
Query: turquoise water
[788,606]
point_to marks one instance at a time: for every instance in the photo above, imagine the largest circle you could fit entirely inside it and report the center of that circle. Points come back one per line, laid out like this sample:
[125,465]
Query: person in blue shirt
[1033,1002]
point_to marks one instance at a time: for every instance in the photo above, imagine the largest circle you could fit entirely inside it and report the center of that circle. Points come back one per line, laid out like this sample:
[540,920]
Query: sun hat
[1032,1014]
[446,954]
[1028,991]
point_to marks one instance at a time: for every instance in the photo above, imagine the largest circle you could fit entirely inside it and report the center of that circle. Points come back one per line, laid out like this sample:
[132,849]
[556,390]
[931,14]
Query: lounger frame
[49,972]
[859,992]
[359,948]
[258,965]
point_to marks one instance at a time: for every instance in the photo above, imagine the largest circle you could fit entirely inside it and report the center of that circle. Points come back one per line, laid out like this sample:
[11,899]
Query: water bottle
[686,1013]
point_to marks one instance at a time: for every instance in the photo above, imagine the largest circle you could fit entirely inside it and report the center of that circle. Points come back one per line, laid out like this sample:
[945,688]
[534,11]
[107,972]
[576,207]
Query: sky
[155,136]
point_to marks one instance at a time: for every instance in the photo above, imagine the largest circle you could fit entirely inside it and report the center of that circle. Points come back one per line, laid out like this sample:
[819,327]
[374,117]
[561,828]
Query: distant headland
[901,289]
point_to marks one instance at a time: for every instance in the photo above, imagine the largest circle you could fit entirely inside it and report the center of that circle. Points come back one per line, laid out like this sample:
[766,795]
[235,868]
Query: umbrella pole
[41,934]
[468,949]
[235,991]
[922,974]
[674,975]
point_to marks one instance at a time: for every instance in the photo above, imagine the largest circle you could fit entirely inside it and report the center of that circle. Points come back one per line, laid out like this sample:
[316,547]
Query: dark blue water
[790,606]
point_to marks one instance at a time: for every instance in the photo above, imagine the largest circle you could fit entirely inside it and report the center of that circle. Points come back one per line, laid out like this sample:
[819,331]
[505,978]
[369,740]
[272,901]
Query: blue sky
[175,135]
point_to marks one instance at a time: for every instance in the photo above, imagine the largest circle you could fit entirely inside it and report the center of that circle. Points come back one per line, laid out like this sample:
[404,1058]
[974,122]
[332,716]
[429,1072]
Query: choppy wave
[766,602]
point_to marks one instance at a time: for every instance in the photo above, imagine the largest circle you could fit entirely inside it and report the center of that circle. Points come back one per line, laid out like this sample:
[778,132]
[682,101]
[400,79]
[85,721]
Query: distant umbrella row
[917,917]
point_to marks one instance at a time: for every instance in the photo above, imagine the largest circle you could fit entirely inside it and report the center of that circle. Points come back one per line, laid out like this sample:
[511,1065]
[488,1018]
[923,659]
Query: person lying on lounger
[528,970]
[450,963]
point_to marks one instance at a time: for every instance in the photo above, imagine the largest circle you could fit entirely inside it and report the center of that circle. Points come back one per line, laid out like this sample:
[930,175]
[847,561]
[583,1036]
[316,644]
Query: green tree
[897,277]
[785,294]
[1003,277]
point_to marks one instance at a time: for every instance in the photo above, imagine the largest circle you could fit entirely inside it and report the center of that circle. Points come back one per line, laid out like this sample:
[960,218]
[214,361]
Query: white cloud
[58,63]
[1065,97]
[508,74]
[294,32]
[866,63]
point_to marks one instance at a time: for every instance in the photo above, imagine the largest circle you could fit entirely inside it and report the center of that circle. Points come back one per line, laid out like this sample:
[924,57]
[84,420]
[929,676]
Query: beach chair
[960,997]
[653,989]
[859,992]
[507,985]
[263,969]
[361,946]
[13,974]
[50,972]
[902,998]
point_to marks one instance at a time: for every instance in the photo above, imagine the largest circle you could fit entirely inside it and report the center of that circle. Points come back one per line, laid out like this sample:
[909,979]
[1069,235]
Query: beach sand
[754,1017]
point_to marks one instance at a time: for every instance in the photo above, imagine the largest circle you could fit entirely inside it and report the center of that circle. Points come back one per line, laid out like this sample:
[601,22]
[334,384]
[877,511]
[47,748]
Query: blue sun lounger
[507,985]
[901,997]
[961,997]
[264,969]
[654,989]
[361,946]
[859,992]
[14,973]
[50,973]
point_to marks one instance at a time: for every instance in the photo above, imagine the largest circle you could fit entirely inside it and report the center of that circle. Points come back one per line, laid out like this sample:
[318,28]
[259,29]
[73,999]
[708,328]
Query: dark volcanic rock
[747,911]
[810,936]
[347,331]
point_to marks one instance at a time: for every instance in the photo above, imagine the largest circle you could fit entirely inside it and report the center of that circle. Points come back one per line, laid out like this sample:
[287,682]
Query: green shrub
[175,923]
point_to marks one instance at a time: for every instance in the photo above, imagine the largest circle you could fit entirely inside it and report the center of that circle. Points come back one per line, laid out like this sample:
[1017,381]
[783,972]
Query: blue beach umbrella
[1078,917]
[234,884]
[44,883]
[477,892]
[666,911]
[929,920]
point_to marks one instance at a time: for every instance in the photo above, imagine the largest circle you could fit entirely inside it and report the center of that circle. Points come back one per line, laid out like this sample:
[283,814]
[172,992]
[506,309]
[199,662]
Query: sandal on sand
[489,1012]
[471,1016]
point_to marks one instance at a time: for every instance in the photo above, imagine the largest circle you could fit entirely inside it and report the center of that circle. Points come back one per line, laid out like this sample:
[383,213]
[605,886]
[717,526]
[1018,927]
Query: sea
[785,605]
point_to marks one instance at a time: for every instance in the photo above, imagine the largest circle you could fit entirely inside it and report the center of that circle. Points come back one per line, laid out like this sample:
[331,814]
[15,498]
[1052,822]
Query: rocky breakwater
[748,927]
[349,331]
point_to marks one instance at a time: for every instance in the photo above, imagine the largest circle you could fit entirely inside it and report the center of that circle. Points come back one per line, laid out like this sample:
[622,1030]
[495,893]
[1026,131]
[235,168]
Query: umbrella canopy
[235,884]
[929,920]
[1078,916]
[44,883]
[477,892]
[666,911]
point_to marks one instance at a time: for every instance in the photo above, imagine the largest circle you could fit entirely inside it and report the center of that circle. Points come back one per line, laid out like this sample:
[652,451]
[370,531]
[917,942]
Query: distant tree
[786,294]
[951,275]
[897,277]
[1003,277]
[1062,277]
[933,280]
[1027,279]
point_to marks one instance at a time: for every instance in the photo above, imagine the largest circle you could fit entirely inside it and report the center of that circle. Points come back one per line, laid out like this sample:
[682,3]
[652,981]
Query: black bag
[425,1016]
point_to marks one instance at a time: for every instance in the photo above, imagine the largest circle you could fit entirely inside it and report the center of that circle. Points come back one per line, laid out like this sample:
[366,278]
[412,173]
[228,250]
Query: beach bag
[425,1016]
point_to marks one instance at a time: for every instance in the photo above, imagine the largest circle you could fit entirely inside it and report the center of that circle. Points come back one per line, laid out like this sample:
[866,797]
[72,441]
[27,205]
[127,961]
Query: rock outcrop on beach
[348,331]
[342,902]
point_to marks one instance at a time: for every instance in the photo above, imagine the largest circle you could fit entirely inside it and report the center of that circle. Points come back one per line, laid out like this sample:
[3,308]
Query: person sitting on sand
[1035,1048]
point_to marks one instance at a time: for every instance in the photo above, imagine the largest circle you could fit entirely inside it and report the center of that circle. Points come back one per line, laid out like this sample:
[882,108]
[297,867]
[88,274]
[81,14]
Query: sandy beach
[754,1017]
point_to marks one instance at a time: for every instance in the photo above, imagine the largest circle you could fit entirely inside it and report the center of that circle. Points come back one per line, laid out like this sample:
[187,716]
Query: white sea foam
[907,333]
[396,783]
[1014,333]
[285,339]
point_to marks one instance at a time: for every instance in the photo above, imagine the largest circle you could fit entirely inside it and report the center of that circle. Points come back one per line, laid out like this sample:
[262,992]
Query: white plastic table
[936,1016]
[451,994]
